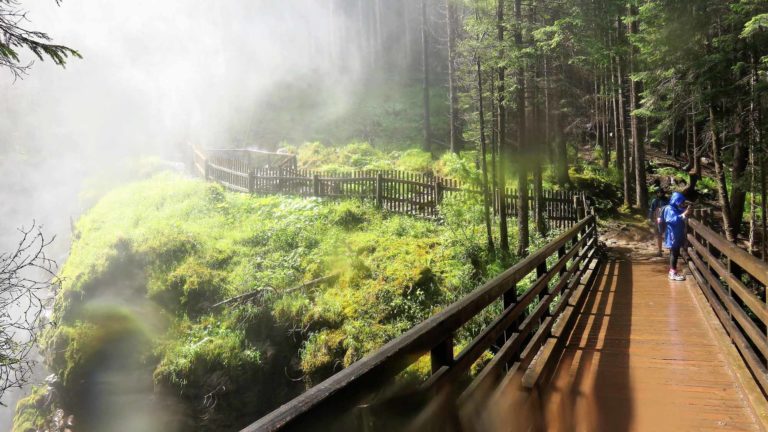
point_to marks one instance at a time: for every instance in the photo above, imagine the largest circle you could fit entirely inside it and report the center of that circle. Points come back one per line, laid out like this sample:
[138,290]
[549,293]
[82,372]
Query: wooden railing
[734,283]
[527,325]
[395,191]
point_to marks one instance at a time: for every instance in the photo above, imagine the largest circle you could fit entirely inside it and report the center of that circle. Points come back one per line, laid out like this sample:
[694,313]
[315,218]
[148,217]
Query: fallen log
[251,295]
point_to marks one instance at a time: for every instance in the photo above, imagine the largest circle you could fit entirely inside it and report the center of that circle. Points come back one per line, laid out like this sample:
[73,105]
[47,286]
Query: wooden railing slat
[750,299]
[749,263]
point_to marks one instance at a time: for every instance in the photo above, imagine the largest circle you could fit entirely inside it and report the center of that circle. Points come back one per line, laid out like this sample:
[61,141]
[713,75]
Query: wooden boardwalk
[646,355]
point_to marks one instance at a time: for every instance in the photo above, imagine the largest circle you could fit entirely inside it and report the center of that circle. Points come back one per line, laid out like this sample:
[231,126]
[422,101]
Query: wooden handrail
[344,390]
[743,313]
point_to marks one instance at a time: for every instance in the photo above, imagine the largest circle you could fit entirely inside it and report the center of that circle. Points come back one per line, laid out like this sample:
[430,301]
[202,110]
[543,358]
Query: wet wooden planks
[642,358]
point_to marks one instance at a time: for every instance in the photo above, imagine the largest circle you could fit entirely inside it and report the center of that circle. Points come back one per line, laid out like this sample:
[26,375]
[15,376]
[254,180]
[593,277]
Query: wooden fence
[734,283]
[395,191]
[524,337]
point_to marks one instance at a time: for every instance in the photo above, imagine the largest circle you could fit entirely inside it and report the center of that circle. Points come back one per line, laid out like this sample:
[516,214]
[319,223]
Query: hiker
[654,216]
[673,216]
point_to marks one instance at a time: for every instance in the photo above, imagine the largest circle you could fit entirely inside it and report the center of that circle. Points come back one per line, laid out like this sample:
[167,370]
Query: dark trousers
[674,254]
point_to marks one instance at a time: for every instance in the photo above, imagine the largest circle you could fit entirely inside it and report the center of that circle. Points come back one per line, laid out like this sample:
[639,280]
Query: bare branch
[27,282]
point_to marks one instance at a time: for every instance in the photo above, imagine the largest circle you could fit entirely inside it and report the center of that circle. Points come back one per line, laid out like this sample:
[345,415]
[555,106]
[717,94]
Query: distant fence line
[395,191]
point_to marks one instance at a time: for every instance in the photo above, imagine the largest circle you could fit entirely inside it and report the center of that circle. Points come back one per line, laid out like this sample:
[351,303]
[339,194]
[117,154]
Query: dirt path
[632,240]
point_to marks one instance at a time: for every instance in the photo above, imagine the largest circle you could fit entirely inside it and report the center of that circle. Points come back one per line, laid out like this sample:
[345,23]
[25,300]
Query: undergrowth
[152,260]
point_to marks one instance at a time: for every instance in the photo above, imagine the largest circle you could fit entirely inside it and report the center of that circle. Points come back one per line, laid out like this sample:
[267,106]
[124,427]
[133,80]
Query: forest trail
[648,354]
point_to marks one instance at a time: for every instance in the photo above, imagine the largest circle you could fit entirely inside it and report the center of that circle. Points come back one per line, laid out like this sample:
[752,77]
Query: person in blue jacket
[674,217]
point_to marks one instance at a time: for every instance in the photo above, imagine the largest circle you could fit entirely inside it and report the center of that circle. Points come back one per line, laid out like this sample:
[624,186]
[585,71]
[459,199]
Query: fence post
[379,190]
[251,180]
[316,185]
[580,211]
[207,169]
[438,191]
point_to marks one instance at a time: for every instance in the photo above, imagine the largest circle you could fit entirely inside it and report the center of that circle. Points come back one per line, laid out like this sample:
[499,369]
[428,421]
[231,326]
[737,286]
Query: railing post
[560,254]
[541,270]
[379,190]
[510,296]
[442,354]
[316,185]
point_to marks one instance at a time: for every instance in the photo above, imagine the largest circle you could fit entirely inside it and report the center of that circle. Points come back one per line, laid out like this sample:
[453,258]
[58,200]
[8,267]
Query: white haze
[155,76]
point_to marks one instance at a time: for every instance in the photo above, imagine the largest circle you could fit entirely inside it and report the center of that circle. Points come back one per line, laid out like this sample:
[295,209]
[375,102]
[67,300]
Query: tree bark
[408,57]
[696,151]
[615,111]
[523,230]
[739,191]
[641,187]
[627,168]
[456,134]
[502,136]
[425,66]
[484,162]
[756,144]
[540,144]
[717,158]
[561,145]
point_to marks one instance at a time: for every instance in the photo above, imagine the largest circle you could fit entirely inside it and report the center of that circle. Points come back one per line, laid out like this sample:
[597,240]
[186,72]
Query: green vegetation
[151,259]
[383,113]
[363,156]
[32,412]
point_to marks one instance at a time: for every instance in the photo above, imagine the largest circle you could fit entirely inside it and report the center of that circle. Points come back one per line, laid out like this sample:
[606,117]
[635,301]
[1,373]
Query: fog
[155,76]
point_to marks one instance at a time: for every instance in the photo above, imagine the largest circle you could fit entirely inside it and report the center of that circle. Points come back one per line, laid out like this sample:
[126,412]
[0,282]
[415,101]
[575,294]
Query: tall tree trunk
[560,143]
[502,137]
[688,151]
[599,144]
[522,173]
[605,120]
[425,66]
[696,137]
[408,57]
[494,145]
[379,39]
[641,187]
[627,168]
[764,212]
[538,153]
[722,187]
[738,189]
[484,163]
[615,111]
[756,144]
[752,203]
[452,18]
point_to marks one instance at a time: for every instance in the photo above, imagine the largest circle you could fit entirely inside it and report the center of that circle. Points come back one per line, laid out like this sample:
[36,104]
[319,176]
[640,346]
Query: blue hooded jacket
[672,216]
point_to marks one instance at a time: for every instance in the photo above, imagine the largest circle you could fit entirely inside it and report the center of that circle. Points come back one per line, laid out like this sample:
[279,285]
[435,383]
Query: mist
[155,77]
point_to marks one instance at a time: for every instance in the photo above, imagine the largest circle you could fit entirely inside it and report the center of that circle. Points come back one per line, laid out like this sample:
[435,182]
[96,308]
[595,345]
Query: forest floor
[634,238]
